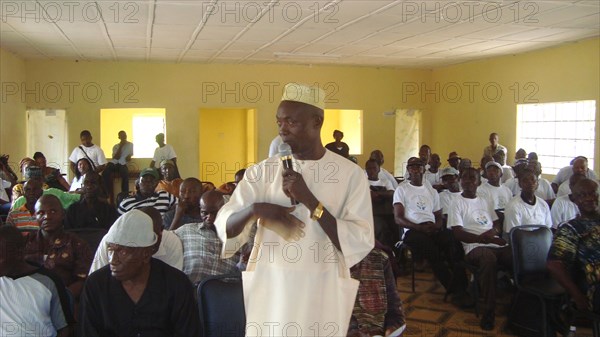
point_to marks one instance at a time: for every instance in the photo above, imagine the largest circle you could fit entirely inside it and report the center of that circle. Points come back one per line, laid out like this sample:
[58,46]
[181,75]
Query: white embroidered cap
[132,229]
[311,95]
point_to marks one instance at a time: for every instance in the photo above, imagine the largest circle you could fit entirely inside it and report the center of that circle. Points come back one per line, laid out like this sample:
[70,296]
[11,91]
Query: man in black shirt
[137,295]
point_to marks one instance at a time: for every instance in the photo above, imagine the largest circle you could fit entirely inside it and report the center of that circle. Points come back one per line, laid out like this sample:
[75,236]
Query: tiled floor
[428,315]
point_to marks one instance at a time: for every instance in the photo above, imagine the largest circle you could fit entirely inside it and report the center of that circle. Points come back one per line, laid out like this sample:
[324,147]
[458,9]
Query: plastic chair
[221,306]
[530,246]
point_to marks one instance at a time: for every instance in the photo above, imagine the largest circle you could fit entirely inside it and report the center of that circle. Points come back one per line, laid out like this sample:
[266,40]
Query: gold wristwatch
[318,212]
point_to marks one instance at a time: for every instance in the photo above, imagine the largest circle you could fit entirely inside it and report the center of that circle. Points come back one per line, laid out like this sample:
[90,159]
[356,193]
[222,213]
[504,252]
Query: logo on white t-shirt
[421,202]
[481,218]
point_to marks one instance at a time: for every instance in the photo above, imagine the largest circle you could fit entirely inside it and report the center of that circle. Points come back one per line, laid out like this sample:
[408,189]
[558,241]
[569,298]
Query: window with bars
[557,132]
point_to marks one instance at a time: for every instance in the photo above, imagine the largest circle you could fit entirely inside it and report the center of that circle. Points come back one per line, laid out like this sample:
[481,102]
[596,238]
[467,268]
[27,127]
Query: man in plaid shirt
[201,244]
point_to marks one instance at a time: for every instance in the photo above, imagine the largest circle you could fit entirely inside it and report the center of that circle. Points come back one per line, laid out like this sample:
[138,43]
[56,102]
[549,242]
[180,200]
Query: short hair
[498,155]
[38,155]
[471,169]
[371,161]
[85,133]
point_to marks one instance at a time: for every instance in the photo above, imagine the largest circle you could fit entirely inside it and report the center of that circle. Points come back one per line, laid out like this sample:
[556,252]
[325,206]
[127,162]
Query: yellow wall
[565,73]
[223,136]
[568,72]
[183,89]
[13,116]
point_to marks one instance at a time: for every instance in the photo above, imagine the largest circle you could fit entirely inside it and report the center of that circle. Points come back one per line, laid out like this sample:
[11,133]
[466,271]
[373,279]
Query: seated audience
[520,154]
[201,244]
[6,172]
[227,188]
[564,208]
[425,155]
[52,177]
[137,295]
[579,165]
[34,302]
[451,188]
[168,247]
[482,163]
[465,163]
[527,208]
[164,151]
[513,183]
[146,195]
[474,222]
[417,208]
[169,182]
[382,193]
[492,190]
[494,146]
[121,155]
[338,146]
[29,170]
[64,253]
[83,167]
[23,216]
[383,173]
[454,159]
[432,174]
[544,189]
[378,308]
[187,209]
[88,150]
[574,257]
[91,211]
[507,171]
[66,198]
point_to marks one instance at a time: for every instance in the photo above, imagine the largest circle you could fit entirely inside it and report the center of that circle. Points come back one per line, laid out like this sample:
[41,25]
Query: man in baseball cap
[119,298]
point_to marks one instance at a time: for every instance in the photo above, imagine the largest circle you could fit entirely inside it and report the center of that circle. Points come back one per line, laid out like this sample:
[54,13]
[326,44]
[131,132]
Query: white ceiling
[417,33]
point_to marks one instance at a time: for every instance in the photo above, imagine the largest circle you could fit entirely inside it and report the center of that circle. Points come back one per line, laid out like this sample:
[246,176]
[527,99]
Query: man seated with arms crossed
[474,222]
[493,191]
[574,257]
[34,302]
[137,295]
[201,244]
[146,195]
[187,209]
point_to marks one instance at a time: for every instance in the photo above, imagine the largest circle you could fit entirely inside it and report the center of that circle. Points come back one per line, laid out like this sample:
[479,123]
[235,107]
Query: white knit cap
[132,229]
[311,95]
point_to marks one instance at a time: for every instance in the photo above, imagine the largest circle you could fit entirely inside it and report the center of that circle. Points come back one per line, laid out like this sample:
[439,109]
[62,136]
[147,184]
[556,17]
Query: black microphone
[285,153]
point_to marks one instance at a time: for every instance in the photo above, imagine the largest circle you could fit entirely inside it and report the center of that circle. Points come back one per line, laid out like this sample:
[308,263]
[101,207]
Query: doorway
[47,133]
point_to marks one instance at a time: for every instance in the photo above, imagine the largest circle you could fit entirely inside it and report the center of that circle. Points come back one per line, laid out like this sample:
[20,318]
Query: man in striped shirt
[23,217]
[146,197]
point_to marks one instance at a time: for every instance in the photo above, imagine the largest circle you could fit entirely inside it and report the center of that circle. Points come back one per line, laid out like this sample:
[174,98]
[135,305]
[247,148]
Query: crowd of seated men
[445,215]
[167,224]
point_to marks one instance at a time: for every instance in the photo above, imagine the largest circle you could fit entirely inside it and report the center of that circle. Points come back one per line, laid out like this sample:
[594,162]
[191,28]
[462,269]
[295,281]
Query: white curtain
[47,133]
[408,122]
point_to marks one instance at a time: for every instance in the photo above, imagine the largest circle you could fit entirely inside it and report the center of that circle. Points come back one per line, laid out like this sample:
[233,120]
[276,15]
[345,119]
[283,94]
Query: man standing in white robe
[297,281]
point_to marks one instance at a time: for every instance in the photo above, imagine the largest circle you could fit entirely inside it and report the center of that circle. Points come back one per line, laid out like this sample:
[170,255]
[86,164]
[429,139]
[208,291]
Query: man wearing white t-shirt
[579,165]
[474,222]
[564,207]
[88,150]
[417,208]
[496,193]
[451,188]
[382,192]
[163,151]
[507,171]
[383,173]
[432,174]
[527,208]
